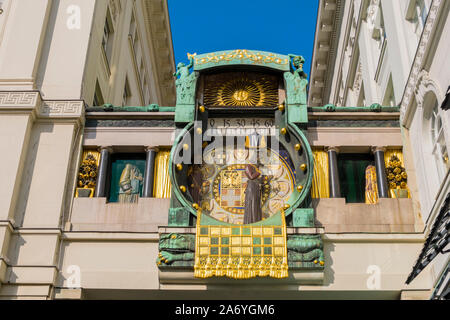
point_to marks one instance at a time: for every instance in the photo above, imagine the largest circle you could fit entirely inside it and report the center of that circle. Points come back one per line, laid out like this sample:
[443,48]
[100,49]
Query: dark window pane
[352,176]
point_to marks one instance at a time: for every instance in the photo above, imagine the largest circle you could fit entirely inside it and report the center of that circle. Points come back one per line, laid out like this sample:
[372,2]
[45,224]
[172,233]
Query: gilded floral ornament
[397,177]
[87,174]
[240,55]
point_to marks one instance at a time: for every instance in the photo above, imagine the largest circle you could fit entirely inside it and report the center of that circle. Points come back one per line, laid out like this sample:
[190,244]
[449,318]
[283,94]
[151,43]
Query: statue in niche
[252,211]
[296,81]
[185,83]
[130,184]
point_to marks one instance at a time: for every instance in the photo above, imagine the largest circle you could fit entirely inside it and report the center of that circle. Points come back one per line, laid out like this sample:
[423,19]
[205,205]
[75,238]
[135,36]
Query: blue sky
[280,26]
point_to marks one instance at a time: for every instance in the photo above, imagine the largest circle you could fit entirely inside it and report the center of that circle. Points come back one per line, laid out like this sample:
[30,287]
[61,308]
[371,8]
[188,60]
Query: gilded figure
[130,184]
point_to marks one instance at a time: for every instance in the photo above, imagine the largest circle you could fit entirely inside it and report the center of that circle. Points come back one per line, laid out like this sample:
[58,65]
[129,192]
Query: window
[126,94]
[362,96]
[142,75]
[107,41]
[439,147]
[389,98]
[3,6]
[98,97]
[420,17]
[352,175]
[146,91]
[133,28]
[435,150]
[137,48]
[417,14]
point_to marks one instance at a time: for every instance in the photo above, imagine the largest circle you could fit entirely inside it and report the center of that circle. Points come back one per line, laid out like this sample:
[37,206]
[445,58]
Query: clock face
[223,182]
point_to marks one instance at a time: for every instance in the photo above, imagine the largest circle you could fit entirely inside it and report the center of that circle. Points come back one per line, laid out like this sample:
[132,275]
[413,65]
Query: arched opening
[435,148]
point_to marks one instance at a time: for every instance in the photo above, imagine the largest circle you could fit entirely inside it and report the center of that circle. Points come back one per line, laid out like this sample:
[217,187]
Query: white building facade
[56,58]
[395,53]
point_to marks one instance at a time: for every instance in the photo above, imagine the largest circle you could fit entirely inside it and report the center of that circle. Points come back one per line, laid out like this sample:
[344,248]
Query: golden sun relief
[241,90]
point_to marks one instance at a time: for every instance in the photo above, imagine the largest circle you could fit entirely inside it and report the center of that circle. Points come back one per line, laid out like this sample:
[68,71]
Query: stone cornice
[353,116]
[159,34]
[328,23]
[419,60]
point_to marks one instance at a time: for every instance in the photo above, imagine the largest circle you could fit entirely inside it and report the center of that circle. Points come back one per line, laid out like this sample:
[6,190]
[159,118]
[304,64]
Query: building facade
[394,53]
[231,181]
[56,57]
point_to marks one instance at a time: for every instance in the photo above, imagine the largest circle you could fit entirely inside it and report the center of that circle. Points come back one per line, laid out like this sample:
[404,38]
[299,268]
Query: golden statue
[130,184]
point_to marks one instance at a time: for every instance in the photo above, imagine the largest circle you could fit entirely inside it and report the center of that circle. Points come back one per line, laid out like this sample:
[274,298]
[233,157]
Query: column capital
[377,149]
[335,149]
[107,148]
[151,148]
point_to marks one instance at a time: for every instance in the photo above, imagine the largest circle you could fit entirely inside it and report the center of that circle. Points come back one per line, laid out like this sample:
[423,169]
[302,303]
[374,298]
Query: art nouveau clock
[241,167]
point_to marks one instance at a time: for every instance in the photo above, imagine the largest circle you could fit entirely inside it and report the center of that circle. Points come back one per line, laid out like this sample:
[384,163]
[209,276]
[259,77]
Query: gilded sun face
[240,95]
[242,91]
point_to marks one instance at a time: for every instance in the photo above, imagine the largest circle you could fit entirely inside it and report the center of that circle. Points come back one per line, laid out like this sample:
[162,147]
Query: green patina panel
[184,113]
[242,57]
[297,114]
[295,88]
[303,218]
[179,217]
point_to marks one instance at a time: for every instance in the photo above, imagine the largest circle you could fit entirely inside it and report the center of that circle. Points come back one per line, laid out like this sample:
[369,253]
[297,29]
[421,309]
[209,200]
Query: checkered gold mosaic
[241,251]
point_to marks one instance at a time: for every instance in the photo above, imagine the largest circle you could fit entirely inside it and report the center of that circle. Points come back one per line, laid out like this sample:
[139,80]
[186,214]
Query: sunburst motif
[242,91]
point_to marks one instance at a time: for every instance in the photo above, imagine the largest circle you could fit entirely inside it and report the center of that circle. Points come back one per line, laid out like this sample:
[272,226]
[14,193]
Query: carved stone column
[147,191]
[333,173]
[100,190]
[383,189]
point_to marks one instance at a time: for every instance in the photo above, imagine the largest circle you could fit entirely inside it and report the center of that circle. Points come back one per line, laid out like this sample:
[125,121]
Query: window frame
[108,37]
[438,143]
[126,93]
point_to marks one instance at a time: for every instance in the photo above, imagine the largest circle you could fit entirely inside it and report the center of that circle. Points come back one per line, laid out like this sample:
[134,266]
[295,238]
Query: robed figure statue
[252,211]
[130,184]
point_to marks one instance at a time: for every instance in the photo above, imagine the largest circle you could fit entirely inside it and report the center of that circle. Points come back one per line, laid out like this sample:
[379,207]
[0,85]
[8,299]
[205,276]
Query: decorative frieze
[358,80]
[19,99]
[425,84]
[61,109]
[31,100]
[418,61]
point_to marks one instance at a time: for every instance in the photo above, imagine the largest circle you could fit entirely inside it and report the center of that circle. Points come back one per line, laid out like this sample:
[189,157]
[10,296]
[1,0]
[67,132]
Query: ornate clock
[241,167]
[246,111]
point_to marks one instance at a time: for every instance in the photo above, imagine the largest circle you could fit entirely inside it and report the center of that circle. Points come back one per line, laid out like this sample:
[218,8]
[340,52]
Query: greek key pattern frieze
[18,99]
[61,109]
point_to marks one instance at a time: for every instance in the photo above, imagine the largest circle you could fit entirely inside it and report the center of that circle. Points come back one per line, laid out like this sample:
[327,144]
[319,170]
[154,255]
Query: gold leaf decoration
[241,90]
[396,174]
